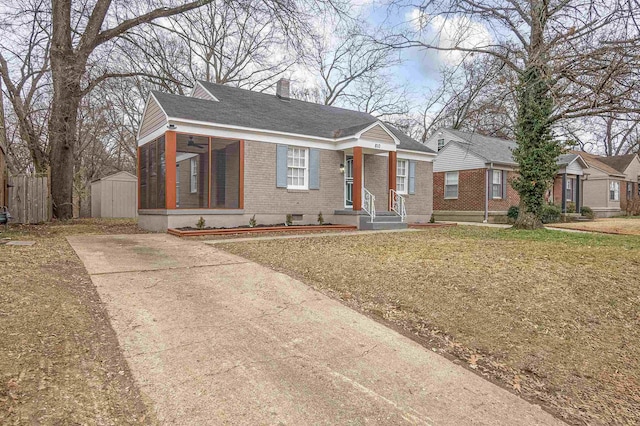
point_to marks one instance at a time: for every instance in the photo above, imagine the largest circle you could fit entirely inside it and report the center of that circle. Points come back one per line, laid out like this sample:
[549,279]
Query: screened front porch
[188,171]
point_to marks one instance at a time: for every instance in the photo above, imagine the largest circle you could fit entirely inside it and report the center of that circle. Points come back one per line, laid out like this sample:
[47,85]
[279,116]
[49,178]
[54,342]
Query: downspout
[486,195]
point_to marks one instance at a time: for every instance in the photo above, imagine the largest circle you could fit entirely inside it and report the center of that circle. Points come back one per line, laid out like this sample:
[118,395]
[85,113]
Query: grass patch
[554,316]
[625,225]
[60,362]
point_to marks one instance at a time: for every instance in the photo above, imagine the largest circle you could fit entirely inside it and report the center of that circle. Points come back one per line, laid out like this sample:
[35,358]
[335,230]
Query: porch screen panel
[143,161]
[225,174]
[192,165]
[152,175]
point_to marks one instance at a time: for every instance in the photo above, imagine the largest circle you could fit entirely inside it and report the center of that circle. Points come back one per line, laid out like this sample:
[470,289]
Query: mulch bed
[192,232]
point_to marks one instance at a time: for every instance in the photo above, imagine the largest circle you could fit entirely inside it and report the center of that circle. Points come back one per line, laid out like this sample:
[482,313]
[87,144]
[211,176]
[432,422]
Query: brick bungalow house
[611,182]
[472,174]
[227,154]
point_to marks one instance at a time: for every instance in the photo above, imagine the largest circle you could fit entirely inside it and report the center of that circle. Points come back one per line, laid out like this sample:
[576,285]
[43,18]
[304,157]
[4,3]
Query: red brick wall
[624,205]
[557,191]
[470,191]
[513,199]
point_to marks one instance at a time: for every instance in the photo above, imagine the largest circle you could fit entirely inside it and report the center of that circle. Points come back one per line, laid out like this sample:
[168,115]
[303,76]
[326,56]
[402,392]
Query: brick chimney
[282,89]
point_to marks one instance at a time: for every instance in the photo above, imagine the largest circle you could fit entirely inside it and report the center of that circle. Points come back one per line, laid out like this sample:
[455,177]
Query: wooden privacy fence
[29,200]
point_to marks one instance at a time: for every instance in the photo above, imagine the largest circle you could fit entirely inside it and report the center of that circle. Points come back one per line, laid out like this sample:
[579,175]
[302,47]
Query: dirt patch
[60,362]
[552,316]
[622,226]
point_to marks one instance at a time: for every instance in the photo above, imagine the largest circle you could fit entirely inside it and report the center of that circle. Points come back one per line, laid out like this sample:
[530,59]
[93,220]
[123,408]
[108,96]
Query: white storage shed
[115,195]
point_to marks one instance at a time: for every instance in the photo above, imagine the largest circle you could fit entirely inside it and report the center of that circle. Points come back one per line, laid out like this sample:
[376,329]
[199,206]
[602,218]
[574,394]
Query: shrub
[252,222]
[550,213]
[320,219]
[200,224]
[432,219]
[513,213]
[587,212]
[289,220]
[571,207]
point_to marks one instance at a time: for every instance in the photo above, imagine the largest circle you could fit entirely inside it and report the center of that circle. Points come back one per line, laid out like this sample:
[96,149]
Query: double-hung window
[629,191]
[194,175]
[614,191]
[451,185]
[402,176]
[496,184]
[297,168]
[440,144]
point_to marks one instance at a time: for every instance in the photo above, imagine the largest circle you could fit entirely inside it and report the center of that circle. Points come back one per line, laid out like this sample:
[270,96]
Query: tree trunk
[67,94]
[527,220]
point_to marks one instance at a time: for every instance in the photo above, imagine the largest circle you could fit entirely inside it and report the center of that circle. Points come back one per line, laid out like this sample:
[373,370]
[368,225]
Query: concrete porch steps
[383,220]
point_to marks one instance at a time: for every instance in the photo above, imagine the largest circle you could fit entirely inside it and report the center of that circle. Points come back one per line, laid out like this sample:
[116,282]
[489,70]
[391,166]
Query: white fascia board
[153,135]
[366,143]
[378,123]
[404,154]
[144,112]
[230,132]
[203,124]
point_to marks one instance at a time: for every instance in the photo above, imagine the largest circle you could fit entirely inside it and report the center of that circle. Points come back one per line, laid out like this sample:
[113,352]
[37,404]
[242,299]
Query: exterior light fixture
[341,168]
[171,127]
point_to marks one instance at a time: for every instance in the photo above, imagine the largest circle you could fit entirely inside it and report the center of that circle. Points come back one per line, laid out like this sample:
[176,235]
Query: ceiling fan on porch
[193,143]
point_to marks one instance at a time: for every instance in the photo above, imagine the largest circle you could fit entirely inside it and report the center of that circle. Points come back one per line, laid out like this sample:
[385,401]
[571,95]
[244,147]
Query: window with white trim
[496,184]
[629,190]
[194,175]
[440,144]
[614,191]
[297,168]
[451,185]
[402,176]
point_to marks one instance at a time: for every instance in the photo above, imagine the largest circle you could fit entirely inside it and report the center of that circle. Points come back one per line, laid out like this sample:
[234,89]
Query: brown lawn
[625,226]
[60,362]
[553,316]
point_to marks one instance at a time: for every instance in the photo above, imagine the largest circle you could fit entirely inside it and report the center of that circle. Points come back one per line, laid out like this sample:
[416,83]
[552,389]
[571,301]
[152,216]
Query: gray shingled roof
[492,150]
[255,110]
[566,159]
[496,150]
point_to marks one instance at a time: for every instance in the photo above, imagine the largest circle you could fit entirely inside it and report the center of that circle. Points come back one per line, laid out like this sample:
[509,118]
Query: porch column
[170,169]
[578,194]
[357,178]
[564,193]
[393,163]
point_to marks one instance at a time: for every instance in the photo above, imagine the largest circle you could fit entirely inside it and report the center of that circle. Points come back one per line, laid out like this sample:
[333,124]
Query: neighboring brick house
[227,154]
[622,173]
[472,175]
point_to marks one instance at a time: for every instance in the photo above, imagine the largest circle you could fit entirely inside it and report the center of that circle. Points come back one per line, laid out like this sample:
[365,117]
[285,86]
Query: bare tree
[24,69]
[343,59]
[572,58]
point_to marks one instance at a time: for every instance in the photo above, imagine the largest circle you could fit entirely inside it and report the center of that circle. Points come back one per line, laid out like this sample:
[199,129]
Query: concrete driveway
[212,338]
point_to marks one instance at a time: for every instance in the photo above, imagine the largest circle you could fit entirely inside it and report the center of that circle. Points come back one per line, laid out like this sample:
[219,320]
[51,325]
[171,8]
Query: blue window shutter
[314,168]
[504,184]
[281,166]
[412,177]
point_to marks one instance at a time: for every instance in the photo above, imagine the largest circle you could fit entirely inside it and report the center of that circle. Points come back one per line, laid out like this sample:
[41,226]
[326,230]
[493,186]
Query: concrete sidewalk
[214,339]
